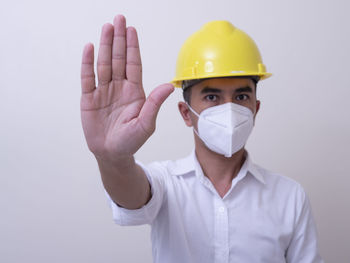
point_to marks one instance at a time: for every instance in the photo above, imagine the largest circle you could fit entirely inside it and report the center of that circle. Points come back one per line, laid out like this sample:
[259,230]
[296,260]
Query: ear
[257,107]
[185,113]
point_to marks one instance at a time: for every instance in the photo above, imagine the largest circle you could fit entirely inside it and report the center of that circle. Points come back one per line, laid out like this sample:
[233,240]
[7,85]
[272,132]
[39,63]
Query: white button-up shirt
[264,217]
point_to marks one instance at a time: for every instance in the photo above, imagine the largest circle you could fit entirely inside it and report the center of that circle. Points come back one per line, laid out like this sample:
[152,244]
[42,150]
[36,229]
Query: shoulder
[170,167]
[282,185]
[286,195]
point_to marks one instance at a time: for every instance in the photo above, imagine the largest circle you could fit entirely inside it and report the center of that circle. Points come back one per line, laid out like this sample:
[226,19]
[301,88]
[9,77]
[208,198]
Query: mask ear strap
[195,113]
[197,133]
[192,110]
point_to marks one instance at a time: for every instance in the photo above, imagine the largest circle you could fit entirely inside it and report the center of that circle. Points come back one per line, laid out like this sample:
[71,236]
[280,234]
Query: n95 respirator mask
[224,128]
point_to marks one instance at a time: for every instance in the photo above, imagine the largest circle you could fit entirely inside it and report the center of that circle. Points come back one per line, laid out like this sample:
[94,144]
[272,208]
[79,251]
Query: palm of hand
[117,118]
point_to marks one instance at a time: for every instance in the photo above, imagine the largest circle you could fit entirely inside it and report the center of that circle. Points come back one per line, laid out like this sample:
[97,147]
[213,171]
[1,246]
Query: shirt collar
[188,165]
[253,169]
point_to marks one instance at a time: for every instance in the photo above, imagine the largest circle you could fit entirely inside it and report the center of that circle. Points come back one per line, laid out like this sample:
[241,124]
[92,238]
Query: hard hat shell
[218,49]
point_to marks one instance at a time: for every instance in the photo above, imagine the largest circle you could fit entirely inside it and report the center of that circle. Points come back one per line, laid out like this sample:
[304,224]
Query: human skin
[211,92]
[117,117]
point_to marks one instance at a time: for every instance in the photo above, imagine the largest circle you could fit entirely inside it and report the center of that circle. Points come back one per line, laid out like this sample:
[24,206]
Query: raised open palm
[116,116]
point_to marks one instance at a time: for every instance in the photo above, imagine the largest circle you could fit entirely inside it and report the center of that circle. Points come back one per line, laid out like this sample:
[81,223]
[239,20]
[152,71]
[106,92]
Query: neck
[218,168]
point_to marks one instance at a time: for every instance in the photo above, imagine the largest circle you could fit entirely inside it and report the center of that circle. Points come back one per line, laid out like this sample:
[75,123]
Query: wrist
[115,161]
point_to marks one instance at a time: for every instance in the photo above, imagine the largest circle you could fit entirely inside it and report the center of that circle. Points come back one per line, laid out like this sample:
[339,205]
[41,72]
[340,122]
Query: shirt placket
[221,237]
[221,234]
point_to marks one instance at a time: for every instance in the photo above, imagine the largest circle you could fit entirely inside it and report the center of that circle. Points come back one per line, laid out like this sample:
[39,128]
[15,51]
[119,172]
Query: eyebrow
[214,90]
[210,90]
[244,89]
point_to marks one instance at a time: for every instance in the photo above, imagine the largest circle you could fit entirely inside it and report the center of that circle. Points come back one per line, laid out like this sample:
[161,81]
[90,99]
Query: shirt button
[221,209]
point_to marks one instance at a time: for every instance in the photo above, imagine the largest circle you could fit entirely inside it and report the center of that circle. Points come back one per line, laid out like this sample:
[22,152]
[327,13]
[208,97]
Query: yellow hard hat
[218,49]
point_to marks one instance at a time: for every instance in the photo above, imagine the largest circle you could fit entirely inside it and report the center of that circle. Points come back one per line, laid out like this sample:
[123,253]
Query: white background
[52,204]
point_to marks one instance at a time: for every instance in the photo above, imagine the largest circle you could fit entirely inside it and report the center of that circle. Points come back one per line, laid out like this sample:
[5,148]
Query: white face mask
[225,128]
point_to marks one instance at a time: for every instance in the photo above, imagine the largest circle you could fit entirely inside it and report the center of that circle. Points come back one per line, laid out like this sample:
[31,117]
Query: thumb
[149,111]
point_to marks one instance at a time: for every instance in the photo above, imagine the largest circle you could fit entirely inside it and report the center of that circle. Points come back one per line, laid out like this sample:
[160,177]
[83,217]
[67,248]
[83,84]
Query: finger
[133,57]
[87,69]
[149,111]
[104,61]
[119,48]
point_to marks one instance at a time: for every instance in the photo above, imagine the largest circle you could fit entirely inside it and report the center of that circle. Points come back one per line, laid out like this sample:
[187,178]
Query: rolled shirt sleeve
[147,213]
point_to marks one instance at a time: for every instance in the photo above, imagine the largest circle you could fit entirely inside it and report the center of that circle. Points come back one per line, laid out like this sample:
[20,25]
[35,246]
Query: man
[214,205]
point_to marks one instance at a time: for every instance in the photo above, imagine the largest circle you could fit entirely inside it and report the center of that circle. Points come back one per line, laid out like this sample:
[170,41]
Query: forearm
[125,182]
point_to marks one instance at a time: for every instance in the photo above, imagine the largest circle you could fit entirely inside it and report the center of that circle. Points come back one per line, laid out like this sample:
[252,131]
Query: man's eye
[242,97]
[211,97]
